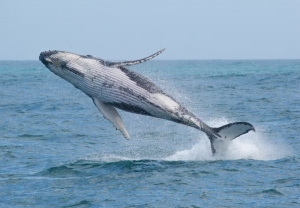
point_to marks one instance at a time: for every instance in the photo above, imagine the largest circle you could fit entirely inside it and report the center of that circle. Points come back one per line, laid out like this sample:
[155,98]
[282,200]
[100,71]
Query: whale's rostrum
[111,86]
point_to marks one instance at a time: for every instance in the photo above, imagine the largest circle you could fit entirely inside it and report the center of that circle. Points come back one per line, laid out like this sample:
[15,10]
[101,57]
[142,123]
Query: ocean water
[57,150]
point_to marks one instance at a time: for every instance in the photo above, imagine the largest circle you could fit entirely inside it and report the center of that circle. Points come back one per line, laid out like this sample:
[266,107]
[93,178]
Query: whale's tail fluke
[229,132]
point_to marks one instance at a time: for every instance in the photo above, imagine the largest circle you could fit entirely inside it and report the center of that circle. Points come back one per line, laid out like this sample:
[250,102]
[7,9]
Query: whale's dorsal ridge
[130,63]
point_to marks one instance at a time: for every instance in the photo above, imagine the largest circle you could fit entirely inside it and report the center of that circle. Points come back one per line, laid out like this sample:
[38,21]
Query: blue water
[56,149]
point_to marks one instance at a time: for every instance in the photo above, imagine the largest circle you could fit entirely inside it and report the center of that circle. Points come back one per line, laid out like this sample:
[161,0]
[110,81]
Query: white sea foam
[250,146]
[108,158]
[253,145]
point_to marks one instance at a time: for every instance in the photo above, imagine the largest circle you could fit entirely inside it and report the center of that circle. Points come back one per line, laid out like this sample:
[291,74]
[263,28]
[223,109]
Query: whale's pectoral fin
[111,114]
[229,132]
[129,63]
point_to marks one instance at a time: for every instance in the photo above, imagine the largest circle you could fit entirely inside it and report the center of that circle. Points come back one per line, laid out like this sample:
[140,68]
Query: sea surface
[57,150]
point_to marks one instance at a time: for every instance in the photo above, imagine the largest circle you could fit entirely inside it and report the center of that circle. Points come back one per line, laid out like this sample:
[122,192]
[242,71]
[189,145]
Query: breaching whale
[111,85]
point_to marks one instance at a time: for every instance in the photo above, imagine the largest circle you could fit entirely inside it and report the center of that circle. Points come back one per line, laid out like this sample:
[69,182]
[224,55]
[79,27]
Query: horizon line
[217,59]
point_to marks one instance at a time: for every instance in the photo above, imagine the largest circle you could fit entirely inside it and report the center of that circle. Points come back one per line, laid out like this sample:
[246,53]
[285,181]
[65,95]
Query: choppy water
[56,149]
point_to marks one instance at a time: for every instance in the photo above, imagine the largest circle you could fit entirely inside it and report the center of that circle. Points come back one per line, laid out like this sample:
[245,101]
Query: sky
[133,29]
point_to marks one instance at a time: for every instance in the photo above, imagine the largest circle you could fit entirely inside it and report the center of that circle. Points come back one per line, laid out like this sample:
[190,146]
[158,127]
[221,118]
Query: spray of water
[253,145]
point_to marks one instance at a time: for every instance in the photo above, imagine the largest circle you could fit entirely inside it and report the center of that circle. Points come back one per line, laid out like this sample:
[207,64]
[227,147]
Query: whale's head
[64,64]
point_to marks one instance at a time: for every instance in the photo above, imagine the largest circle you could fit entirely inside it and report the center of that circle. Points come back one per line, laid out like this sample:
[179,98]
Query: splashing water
[249,147]
[252,145]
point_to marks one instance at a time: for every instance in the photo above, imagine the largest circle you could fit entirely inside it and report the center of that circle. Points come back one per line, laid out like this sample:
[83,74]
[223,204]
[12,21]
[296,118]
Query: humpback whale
[111,85]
